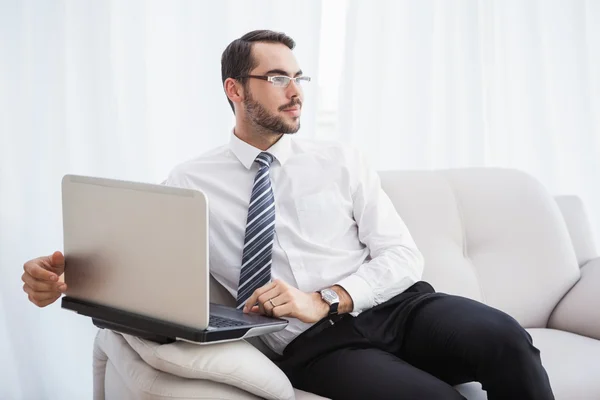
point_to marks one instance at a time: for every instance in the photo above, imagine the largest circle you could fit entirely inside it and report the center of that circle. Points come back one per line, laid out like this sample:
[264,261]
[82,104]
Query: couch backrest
[494,235]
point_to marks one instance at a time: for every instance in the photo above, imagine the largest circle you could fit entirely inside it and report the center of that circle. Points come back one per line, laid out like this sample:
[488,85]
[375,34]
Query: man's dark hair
[237,58]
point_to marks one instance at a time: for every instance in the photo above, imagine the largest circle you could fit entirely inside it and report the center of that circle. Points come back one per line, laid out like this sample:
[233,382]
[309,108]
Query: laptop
[137,262]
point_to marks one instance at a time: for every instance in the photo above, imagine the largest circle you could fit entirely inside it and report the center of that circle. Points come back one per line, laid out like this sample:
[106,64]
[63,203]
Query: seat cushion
[183,370]
[187,389]
[472,391]
[127,376]
[572,362]
[235,363]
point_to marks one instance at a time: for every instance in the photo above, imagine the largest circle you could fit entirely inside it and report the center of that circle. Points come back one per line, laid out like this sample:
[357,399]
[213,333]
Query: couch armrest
[579,310]
[579,227]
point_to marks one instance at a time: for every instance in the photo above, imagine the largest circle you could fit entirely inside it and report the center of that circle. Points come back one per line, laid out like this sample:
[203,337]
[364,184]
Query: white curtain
[509,83]
[123,89]
[128,89]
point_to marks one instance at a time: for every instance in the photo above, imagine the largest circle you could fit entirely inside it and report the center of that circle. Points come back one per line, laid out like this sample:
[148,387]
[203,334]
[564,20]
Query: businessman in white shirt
[301,229]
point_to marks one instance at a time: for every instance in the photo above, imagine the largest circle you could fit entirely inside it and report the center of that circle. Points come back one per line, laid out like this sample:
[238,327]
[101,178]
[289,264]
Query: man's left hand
[278,299]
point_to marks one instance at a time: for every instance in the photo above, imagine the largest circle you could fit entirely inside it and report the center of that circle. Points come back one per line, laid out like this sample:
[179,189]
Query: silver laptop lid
[137,247]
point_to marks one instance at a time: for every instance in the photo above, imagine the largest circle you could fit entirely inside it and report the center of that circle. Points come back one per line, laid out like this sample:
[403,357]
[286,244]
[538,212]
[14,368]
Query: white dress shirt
[333,222]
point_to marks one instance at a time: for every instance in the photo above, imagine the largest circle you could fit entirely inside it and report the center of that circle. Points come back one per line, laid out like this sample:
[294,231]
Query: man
[302,230]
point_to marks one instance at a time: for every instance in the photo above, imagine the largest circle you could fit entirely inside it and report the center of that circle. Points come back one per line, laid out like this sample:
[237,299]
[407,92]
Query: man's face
[276,109]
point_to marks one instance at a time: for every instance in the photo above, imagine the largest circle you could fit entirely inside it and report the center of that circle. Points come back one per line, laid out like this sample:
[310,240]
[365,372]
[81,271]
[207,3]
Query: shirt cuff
[360,292]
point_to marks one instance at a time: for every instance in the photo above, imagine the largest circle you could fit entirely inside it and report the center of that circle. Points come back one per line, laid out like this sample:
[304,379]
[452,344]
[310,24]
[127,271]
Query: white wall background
[130,88]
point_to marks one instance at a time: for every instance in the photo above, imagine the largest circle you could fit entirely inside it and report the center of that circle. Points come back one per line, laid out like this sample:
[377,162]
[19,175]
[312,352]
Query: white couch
[494,235]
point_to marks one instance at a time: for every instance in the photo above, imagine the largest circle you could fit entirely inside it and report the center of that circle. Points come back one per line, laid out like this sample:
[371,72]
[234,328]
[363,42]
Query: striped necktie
[260,233]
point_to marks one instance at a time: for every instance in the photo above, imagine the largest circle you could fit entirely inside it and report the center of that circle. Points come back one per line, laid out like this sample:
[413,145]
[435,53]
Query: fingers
[35,269]
[57,259]
[41,279]
[282,310]
[43,303]
[254,298]
[274,307]
[41,299]
[39,285]
[263,300]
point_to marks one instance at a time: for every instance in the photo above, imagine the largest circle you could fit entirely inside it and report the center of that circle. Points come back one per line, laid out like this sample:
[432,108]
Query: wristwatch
[331,297]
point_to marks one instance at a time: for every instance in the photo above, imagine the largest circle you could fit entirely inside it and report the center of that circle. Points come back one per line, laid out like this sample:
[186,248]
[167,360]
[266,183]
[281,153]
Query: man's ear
[233,90]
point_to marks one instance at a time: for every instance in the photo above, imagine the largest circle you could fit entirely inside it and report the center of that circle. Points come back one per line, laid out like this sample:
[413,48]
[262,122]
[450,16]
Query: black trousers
[417,345]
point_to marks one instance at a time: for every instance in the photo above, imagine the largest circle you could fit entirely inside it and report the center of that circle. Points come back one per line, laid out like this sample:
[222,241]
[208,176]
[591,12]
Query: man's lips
[294,111]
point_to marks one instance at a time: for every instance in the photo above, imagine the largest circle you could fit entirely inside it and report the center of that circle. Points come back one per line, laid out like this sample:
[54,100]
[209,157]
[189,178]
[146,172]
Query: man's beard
[260,116]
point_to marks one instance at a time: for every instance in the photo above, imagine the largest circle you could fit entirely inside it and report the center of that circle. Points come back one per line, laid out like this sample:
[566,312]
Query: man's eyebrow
[282,72]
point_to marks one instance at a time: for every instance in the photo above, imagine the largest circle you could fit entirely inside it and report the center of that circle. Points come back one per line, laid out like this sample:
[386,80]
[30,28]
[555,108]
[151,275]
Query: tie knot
[264,159]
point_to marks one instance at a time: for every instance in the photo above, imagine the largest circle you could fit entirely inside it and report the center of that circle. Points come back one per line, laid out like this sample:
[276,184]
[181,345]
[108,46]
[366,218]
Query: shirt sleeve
[395,263]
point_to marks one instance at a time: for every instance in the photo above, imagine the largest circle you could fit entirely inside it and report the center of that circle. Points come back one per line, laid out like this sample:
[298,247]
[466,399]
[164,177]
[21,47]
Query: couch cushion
[427,204]
[236,363]
[494,235]
[127,376]
[577,312]
[571,361]
[472,391]
[169,387]
[578,223]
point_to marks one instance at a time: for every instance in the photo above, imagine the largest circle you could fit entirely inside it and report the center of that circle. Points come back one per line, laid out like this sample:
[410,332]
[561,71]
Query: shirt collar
[247,153]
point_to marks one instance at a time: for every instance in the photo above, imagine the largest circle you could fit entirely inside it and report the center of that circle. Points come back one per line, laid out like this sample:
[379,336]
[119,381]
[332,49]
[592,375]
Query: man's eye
[280,80]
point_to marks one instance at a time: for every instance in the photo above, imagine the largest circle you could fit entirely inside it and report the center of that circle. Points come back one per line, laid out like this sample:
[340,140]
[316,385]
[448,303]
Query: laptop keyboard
[220,322]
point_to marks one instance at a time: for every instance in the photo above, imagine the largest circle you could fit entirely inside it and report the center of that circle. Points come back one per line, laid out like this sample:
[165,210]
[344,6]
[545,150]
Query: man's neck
[259,139]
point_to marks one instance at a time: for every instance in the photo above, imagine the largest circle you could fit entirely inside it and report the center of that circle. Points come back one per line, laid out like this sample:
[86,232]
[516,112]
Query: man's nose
[294,90]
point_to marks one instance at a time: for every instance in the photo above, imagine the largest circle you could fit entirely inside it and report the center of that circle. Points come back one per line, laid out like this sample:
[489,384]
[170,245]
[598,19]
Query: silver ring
[271,301]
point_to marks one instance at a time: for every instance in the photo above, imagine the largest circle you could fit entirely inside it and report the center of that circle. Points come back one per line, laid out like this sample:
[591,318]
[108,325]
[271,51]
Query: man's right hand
[42,278]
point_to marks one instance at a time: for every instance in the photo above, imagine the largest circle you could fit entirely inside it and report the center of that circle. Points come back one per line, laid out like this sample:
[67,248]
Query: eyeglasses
[280,80]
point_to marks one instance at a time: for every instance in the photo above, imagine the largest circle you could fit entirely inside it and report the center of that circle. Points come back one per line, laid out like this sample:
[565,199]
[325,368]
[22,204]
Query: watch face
[330,296]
